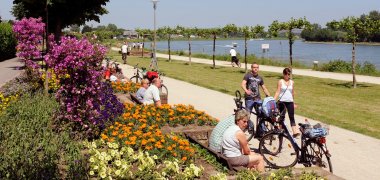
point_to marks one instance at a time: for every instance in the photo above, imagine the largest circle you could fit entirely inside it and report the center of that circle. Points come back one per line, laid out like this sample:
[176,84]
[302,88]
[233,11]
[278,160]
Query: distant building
[130,34]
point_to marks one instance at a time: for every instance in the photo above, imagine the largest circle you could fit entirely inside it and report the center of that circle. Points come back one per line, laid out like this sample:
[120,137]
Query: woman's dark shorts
[234,59]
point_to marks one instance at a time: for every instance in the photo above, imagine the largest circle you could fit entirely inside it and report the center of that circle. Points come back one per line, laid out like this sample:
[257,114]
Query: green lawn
[330,101]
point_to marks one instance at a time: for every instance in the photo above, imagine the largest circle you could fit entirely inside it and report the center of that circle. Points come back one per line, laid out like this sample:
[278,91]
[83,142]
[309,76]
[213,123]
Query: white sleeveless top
[286,91]
[230,144]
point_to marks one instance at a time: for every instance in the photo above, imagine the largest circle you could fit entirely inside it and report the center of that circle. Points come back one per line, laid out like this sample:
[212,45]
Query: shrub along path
[304,72]
[354,156]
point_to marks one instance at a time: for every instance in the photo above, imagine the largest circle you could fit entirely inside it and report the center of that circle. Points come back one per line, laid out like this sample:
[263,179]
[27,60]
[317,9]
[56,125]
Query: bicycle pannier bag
[269,106]
[316,132]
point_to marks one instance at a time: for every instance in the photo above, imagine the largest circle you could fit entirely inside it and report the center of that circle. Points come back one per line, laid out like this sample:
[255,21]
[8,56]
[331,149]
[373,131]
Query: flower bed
[140,126]
[135,147]
[125,87]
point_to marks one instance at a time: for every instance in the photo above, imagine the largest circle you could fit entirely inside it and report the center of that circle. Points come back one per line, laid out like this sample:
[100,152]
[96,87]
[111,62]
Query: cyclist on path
[124,51]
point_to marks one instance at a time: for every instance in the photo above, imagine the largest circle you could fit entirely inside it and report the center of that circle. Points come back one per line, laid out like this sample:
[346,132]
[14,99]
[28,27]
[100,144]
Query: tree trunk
[353,65]
[189,51]
[245,53]
[213,52]
[291,52]
[142,49]
[58,30]
[170,58]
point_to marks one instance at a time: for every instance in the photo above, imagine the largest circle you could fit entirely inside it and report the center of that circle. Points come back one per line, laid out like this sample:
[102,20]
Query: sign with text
[264,46]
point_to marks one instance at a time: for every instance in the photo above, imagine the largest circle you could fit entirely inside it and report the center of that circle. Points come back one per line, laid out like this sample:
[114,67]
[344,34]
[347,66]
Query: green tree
[186,32]
[61,13]
[214,33]
[8,41]
[276,26]
[250,32]
[111,27]
[75,28]
[86,28]
[167,31]
[143,33]
[100,28]
[354,28]
[374,16]
[230,30]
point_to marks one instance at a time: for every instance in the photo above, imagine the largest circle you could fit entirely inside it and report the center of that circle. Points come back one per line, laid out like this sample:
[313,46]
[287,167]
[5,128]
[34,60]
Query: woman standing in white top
[285,95]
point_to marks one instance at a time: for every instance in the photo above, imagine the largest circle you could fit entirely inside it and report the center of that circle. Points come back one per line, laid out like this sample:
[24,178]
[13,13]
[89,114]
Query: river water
[279,49]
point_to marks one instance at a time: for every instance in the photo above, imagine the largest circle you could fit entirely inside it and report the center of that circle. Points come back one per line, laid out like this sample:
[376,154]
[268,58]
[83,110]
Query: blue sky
[131,14]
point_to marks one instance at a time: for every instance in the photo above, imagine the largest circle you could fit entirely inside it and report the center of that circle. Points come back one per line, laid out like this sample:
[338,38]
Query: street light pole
[155,63]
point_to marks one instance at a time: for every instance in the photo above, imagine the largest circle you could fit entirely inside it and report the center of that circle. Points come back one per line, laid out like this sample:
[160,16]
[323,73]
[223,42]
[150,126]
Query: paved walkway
[9,70]
[303,72]
[354,156]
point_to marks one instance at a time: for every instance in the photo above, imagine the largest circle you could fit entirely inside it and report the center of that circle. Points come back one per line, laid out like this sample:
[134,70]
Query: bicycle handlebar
[136,66]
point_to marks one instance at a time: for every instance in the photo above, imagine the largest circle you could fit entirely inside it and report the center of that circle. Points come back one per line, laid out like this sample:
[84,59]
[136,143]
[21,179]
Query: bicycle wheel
[163,89]
[277,150]
[135,79]
[265,126]
[250,134]
[316,155]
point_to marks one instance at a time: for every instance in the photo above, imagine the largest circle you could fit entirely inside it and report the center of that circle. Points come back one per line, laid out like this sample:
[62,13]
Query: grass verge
[330,101]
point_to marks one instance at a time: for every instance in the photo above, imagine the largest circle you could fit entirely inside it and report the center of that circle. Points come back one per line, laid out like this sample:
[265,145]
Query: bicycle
[280,150]
[139,74]
[116,67]
[265,124]
[108,59]
[142,74]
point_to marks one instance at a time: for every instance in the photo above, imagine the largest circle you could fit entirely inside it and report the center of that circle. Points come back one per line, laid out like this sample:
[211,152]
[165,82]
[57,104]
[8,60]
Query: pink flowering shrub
[77,65]
[29,34]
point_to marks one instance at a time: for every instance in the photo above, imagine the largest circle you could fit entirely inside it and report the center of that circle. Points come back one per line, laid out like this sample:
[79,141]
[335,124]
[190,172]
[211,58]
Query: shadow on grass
[216,67]
[348,85]
[224,90]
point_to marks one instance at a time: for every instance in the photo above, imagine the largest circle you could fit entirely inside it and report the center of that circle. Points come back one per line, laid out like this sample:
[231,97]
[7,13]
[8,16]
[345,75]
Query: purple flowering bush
[29,34]
[110,107]
[81,96]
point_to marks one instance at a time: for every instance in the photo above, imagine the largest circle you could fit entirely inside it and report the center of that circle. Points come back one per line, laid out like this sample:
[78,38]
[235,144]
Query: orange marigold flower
[175,154]
[144,142]
[115,133]
[184,158]
[132,138]
[104,137]
[169,148]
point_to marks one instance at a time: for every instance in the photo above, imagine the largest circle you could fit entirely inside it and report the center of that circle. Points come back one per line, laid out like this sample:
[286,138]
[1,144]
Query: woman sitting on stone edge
[235,145]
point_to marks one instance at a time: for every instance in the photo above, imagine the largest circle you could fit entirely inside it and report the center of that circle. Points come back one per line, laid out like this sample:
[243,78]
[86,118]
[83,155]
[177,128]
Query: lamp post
[155,63]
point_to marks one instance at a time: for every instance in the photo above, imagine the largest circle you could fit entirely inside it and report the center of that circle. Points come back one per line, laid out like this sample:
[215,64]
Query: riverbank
[335,42]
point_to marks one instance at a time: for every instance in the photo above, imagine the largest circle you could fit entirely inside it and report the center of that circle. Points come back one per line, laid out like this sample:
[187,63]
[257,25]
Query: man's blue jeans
[249,105]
